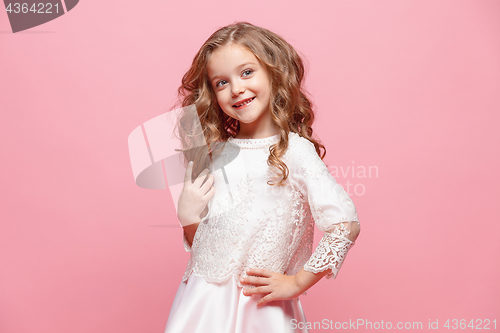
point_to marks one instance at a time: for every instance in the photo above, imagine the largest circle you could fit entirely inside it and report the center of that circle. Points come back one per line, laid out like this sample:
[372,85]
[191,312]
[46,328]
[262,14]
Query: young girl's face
[237,76]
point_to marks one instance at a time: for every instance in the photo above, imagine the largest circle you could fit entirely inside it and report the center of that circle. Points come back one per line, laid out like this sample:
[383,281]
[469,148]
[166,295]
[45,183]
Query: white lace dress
[251,224]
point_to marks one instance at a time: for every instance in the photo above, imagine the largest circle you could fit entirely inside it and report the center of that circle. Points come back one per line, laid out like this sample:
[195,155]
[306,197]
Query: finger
[259,272]
[189,171]
[207,186]
[211,193]
[255,280]
[201,177]
[256,290]
[266,299]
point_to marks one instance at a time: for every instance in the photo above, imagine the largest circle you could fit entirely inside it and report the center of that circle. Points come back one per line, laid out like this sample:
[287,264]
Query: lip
[243,100]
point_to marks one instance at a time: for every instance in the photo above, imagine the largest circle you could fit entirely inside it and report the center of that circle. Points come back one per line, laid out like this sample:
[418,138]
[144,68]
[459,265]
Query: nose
[238,89]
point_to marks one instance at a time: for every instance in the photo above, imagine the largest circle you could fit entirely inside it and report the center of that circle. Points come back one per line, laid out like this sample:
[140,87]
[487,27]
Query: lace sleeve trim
[331,252]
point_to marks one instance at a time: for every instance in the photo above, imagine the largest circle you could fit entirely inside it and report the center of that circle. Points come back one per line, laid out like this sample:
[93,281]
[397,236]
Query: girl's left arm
[333,247]
[331,208]
[333,212]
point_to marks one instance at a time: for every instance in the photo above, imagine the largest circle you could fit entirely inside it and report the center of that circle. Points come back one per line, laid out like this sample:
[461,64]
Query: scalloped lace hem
[218,279]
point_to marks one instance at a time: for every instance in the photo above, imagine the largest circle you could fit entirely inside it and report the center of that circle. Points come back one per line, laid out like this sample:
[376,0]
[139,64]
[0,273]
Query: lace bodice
[251,224]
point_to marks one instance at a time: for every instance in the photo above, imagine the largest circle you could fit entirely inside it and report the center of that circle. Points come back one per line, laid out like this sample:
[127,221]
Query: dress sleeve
[187,247]
[331,207]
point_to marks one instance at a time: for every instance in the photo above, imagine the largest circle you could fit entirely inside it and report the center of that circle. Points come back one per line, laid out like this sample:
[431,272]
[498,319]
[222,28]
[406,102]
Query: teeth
[248,101]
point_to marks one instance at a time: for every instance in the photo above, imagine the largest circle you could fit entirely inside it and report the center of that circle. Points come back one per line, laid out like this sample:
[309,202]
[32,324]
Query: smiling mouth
[245,102]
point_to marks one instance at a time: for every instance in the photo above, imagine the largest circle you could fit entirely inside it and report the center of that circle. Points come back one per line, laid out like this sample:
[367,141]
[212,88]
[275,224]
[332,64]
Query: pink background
[410,87]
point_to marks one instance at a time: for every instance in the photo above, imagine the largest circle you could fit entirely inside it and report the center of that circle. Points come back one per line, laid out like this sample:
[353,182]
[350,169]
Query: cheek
[224,104]
[221,98]
[263,87]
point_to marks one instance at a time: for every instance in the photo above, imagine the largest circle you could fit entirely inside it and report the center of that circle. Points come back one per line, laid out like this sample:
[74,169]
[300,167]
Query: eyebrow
[242,65]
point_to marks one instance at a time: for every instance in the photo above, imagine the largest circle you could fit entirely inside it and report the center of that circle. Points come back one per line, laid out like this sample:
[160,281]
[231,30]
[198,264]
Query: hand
[194,196]
[275,286]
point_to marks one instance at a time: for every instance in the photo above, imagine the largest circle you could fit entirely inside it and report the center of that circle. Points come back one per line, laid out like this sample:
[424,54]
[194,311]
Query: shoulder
[299,147]
[302,155]
[298,141]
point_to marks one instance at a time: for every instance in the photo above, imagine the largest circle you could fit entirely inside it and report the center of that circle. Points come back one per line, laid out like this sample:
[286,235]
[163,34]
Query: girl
[251,238]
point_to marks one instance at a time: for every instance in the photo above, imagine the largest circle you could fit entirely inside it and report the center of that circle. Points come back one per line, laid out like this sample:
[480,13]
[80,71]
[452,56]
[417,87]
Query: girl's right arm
[193,201]
[190,230]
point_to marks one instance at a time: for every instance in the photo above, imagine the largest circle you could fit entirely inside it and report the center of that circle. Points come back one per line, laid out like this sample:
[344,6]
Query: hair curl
[290,108]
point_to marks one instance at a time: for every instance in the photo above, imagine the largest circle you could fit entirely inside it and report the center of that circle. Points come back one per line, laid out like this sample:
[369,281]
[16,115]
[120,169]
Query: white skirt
[202,307]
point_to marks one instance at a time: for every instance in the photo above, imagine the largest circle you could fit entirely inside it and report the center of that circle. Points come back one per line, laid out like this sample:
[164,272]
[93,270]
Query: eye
[250,71]
[217,84]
